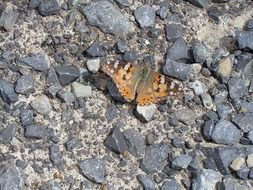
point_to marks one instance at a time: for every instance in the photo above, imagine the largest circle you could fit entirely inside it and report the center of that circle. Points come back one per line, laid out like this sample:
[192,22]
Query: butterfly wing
[156,88]
[125,76]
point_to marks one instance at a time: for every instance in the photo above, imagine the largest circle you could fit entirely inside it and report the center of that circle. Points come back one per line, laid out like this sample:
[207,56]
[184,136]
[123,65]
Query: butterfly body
[141,84]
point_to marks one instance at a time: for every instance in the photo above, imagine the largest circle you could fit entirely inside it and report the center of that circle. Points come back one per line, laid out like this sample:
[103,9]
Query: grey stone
[164,9]
[25,85]
[244,121]
[145,16]
[21,164]
[124,3]
[250,136]
[251,173]
[39,62]
[111,113]
[223,110]
[237,163]
[108,18]
[186,115]
[80,90]
[214,13]
[247,106]
[55,155]
[182,161]
[67,74]
[10,178]
[237,88]
[251,86]
[34,4]
[247,72]
[177,70]
[199,52]
[130,56]
[7,92]
[226,132]
[122,46]
[26,117]
[200,3]
[245,39]
[206,180]
[48,7]
[229,183]
[7,134]
[37,131]
[8,19]
[178,51]
[41,104]
[115,141]
[145,113]
[173,31]
[198,87]
[170,184]
[154,158]
[87,185]
[224,68]
[249,25]
[93,65]
[52,77]
[66,96]
[72,143]
[81,26]
[243,173]
[135,142]
[147,182]
[93,169]
[54,89]
[95,50]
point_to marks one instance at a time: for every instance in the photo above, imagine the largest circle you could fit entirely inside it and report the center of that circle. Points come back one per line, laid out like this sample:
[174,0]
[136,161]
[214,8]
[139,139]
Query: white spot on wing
[126,67]
[116,64]
[162,80]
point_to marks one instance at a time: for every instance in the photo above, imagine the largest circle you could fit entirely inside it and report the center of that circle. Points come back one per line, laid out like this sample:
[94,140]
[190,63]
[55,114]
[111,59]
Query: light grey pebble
[41,104]
[198,87]
[145,113]
[207,101]
[93,65]
[80,90]
[186,115]
[145,16]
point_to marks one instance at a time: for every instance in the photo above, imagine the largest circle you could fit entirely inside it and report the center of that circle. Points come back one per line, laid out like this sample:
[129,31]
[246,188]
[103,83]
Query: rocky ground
[63,124]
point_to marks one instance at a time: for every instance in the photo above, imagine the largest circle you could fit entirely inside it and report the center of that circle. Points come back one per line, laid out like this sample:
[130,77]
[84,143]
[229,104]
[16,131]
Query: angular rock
[26,117]
[224,68]
[38,62]
[208,129]
[42,105]
[145,16]
[223,110]
[154,158]
[72,143]
[200,3]
[80,90]
[95,50]
[122,46]
[67,74]
[198,87]
[48,7]
[237,88]
[93,65]
[8,19]
[34,4]
[115,141]
[214,13]
[10,178]
[130,56]
[66,96]
[199,52]
[55,155]
[135,142]
[164,9]
[245,39]
[111,113]
[147,182]
[170,184]
[124,3]
[93,169]
[173,32]
[182,161]
[37,131]
[108,18]
[237,163]
[7,92]
[52,77]
[25,85]
[226,132]
[244,122]
[7,134]
[145,113]
[243,173]
[229,183]
[54,89]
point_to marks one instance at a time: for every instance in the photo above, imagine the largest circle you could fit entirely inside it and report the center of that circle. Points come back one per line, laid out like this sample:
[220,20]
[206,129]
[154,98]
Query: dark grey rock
[164,9]
[93,169]
[199,52]
[170,184]
[154,33]
[108,18]
[178,142]
[179,50]
[182,161]
[124,3]
[66,96]
[130,56]
[87,185]
[55,155]
[244,121]
[8,19]
[72,143]
[223,110]
[7,134]
[114,92]
[214,13]
[250,136]
[173,32]
[121,46]
[25,85]
[37,131]
[7,92]
[243,173]
[135,142]
[52,77]
[226,132]
[67,74]
[111,113]
[145,16]
[200,3]
[21,164]
[237,88]
[147,182]
[39,62]
[229,183]
[34,4]
[177,70]
[42,105]
[251,173]
[54,89]
[245,39]
[223,69]
[154,158]
[10,178]
[208,129]
[95,50]
[115,141]
[48,7]
[249,25]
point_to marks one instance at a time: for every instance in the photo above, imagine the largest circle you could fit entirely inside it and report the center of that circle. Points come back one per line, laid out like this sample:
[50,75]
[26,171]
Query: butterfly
[142,84]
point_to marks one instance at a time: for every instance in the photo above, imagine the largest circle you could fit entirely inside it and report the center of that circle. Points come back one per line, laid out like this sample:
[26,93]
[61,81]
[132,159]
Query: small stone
[244,121]
[8,19]
[206,179]
[49,7]
[135,142]
[208,129]
[67,74]
[145,113]
[164,9]
[223,110]
[243,173]
[199,52]
[226,132]
[198,87]
[186,116]
[93,169]
[95,50]
[182,161]
[52,77]
[87,185]
[247,107]
[121,46]
[200,3]
[107,17]
[7,134]
[55,155]
[73,143]
[249,25]
[25,85]
[26,117]
[170,184]
[147,182]
[178,50]
[154,158]
[214,13]
[145,16]
[81,26]
[245,39]
[130,56]
[21,164]
[177,70]
[236,87]
[80,90]
[42,105]
[115,141]
[66,96]
[10,178]
[39,62]
[250,160]
[7,92]
[247,74]
[124,3]
[237,163]
[93,65]
[34,4]
[111,113]
[54,89]
[173,32]
[37,131]
[207,101]
[223,69]
[229,183]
